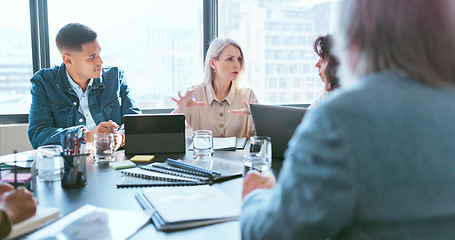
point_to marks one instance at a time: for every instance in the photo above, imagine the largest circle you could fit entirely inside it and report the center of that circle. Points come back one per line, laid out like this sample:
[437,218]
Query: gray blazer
[376,161]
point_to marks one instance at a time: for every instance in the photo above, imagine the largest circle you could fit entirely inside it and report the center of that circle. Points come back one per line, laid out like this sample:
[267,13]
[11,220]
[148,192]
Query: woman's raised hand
[186,101]
[245,110]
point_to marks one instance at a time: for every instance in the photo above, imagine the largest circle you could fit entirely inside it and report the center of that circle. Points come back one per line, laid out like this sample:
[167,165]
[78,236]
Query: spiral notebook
[182,173]
[143,173]
[170,170]
[133,182]
[215,169]
[188,207]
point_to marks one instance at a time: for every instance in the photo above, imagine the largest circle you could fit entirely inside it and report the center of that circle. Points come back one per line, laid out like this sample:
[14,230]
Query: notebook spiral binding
[153,177]
[160,184]
[180,164]
[176,172]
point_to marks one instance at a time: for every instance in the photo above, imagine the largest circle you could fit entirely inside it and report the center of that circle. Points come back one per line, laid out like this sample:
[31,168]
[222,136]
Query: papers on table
[90,222]
[226,144]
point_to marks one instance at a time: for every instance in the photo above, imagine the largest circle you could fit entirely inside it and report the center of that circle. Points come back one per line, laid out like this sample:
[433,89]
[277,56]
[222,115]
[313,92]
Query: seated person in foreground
[375,161]
[16,205]
[78,95]
[218,104]
[327,66]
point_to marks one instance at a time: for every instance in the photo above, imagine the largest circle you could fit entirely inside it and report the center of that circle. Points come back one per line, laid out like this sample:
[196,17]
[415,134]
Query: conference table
[101,191]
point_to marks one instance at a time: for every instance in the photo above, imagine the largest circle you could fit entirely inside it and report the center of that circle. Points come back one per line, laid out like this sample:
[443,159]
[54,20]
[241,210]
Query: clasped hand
[106,127]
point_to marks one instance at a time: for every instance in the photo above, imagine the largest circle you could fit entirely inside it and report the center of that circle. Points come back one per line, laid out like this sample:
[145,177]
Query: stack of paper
[188,207]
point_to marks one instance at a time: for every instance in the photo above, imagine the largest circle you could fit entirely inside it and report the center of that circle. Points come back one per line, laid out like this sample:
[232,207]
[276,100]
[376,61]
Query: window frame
[41,53]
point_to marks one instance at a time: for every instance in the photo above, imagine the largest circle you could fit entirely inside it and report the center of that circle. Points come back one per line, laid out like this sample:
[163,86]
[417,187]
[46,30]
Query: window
[272,97]
[272,83]
[275,40]
[268,54]
[277,54]
[293,68]
[283,83]
[15,57]
[266,28]
[297,83]
[296,96]
[280,69]
[157,43]
[291,55]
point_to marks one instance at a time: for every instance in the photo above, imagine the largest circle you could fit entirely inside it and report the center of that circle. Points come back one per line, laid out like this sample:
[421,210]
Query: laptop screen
[278,123]
[154,133]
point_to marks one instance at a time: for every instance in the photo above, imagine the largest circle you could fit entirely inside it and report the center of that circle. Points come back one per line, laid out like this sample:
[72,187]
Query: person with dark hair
[79,95]
[327,66]
[16,205]
[376,160]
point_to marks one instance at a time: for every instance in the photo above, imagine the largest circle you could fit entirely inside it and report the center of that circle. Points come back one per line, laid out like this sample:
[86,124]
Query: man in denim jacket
[79,95]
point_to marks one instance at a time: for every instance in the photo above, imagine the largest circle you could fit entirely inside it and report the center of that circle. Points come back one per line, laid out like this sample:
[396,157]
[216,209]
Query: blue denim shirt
[54,108]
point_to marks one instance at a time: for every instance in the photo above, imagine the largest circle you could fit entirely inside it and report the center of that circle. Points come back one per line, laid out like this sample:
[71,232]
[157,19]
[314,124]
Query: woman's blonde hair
[415,38]
[215,49]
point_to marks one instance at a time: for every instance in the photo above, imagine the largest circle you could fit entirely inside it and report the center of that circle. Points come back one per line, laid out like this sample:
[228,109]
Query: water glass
[259,156]
[103,147]
[256,162]
[49,163]
[202,144]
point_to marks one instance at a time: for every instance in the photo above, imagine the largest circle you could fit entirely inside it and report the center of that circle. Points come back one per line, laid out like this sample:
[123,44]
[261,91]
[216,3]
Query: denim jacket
[54,108]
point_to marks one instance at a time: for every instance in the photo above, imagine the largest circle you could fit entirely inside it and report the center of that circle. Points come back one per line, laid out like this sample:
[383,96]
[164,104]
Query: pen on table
[259,170]
[15,169]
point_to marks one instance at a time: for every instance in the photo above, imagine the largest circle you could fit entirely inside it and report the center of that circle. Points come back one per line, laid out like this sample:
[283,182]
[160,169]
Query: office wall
[13,137]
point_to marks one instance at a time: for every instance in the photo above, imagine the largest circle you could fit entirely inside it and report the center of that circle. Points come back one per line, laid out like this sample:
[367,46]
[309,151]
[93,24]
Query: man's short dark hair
[73,35]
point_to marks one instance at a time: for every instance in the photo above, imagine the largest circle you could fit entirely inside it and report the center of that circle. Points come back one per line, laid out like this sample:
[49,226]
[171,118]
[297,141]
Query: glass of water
[202,144]
[49,163]
[103,147]
[259,156]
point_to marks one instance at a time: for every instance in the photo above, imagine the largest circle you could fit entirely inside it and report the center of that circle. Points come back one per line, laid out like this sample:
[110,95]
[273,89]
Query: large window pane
[277,40]
[15,57]
[157,42]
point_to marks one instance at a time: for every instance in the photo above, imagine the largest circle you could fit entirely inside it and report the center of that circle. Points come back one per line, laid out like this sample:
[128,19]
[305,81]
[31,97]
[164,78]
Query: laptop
[154,133]
[278,123]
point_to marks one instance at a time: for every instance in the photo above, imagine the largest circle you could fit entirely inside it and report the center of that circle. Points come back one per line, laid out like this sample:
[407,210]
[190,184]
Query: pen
[15,169]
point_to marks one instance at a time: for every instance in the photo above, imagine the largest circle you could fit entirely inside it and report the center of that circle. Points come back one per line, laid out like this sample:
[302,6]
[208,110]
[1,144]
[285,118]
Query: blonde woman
[219,104]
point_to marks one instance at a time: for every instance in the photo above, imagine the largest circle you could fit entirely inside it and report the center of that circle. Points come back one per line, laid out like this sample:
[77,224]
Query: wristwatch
[5,224]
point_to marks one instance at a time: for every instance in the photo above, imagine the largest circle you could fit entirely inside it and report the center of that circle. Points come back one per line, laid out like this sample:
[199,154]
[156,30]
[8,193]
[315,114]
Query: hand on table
[19,204]
[5,187]
[255,180]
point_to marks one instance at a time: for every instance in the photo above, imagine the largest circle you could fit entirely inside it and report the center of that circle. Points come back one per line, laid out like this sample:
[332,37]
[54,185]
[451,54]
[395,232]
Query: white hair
[416,38]
[214,52]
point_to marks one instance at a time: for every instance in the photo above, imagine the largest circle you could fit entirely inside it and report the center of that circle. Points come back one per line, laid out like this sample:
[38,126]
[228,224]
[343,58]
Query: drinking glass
[259,156]
[103,147]
[202,144]
[49,163]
